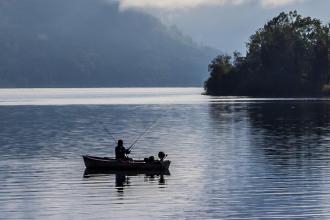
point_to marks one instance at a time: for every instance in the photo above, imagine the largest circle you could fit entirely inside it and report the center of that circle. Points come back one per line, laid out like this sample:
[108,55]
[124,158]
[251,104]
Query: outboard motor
[161,155]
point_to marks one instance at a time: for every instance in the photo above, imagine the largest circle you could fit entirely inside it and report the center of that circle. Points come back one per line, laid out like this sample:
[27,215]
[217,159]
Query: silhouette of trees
[287,57]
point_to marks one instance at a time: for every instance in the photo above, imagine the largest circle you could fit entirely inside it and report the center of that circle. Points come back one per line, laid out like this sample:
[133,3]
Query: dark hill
[85,43]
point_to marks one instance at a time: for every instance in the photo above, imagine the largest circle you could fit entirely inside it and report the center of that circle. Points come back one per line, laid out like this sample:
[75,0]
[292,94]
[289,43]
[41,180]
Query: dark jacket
[121,153]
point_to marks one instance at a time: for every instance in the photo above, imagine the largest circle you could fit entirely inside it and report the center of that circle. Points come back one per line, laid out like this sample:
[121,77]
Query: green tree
[287,57]
[219,68]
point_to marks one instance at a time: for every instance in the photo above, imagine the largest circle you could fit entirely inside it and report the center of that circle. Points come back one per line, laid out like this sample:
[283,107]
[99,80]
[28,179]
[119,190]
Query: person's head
[120,143]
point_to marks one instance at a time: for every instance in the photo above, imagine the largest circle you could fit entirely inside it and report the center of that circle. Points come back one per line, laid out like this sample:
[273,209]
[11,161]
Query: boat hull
[105,163]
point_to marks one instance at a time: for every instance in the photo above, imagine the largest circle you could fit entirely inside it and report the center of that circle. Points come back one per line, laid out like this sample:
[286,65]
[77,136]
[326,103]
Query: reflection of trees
[277,163]
[289,130]
[227,114]
[296,118]
[285,131]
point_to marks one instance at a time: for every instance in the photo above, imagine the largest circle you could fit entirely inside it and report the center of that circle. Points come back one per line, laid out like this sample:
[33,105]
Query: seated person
[121,151]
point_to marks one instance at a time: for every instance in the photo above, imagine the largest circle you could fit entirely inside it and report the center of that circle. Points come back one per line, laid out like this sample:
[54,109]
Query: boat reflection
[123,177]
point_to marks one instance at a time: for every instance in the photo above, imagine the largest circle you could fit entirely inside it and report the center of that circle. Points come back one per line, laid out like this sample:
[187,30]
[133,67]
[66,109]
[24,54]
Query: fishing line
[139,137]
[153,123]
[108,132]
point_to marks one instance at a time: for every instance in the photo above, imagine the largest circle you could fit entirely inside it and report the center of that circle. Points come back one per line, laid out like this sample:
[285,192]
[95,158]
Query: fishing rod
[109,133]
[143,134]
[145,131]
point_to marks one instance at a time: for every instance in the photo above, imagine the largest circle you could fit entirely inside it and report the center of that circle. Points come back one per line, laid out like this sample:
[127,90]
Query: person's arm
[127,151]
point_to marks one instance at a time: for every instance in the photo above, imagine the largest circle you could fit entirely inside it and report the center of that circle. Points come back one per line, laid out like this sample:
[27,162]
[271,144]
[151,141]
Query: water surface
[232,158]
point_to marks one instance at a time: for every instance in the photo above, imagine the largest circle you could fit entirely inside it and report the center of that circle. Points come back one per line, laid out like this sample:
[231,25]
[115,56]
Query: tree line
[289,56]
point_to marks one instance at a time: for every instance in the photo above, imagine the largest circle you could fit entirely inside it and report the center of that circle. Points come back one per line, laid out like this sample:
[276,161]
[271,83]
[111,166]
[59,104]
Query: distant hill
[85,43]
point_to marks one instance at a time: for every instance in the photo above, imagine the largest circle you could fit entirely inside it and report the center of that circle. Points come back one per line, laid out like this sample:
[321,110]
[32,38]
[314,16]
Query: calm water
[234,158]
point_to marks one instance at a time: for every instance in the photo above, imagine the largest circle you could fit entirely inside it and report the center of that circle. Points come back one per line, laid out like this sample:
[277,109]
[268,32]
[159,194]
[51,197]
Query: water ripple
[248,159]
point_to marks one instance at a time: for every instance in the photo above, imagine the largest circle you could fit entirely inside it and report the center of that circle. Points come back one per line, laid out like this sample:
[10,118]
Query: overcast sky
[225,24]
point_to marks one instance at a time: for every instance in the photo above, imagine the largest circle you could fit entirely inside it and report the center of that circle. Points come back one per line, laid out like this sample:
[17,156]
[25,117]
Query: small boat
[106,163]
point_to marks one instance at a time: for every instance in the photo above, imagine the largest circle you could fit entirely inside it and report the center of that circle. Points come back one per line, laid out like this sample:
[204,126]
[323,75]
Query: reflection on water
[282,155]
[299,130]
[234,158]
[123,177]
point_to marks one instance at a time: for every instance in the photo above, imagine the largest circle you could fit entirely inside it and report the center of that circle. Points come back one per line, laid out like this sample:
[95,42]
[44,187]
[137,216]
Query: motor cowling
[161,155]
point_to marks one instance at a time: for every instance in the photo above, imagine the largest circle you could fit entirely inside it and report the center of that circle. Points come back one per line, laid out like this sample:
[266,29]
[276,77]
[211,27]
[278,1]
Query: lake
[232,158]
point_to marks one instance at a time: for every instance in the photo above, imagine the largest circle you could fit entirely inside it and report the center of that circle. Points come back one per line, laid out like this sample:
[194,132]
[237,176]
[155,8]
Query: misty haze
[145,109]
[83,43]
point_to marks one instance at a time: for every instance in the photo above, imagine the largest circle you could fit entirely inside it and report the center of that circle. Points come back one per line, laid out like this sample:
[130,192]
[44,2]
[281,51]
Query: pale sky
[224,24]
[188,4]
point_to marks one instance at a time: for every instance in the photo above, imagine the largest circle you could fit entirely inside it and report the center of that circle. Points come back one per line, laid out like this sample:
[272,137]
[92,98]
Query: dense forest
[287,57]
[84,43]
